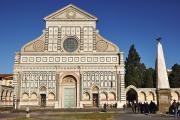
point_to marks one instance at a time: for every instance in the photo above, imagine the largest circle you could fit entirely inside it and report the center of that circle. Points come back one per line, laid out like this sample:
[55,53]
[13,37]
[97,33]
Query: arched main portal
[131,95]
[69,91]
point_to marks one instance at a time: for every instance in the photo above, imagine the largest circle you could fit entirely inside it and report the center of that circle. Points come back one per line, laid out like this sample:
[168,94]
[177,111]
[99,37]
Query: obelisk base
[163,100]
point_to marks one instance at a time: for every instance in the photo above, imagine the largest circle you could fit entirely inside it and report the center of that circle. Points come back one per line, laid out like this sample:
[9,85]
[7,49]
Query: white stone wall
[43,64]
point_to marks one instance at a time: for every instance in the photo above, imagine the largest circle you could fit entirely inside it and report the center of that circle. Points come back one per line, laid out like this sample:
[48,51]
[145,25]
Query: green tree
[154,77]
[174,76]
[149,78]
[135,70]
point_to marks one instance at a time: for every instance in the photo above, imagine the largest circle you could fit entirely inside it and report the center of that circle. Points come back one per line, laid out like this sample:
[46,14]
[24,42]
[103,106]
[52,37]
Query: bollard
[27,112]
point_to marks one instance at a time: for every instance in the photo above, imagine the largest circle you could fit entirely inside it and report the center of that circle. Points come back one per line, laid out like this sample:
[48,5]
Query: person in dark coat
[174,107]
[133,107]
[105,108]
[141,107]
[146,108]
[151,107]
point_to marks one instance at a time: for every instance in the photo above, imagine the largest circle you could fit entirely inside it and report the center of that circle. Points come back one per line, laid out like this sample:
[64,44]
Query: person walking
[178,109]
[174,107]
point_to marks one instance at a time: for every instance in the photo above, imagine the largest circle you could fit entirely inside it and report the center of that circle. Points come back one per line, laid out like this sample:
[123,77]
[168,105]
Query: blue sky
[124,22]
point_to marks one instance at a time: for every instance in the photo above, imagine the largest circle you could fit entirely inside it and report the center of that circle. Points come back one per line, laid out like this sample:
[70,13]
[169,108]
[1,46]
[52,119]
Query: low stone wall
[6,103]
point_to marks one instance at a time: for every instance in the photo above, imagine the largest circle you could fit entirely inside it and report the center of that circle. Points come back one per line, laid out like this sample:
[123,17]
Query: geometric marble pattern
[70,60]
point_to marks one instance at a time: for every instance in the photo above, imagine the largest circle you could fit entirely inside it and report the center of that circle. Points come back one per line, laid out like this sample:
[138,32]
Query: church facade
[70,65]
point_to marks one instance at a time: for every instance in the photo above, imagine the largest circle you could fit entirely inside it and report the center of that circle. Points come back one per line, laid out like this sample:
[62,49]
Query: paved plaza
[80,116]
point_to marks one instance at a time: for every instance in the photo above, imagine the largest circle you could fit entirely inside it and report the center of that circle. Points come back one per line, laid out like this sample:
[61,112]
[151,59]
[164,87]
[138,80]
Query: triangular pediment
[70,12]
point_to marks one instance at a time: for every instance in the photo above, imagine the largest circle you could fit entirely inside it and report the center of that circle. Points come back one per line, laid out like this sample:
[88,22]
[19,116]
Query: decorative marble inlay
[101,45]
[101,59]
[57,59]
[70,14]
[76,59]
[51,59]
[66,59]
[38,45]
[44,59]
[70,59]
[31,59]
[38,59]
[108,59]
[68,80]
[24,59]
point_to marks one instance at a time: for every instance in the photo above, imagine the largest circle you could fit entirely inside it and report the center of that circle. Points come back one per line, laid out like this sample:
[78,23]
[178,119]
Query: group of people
[109,106]
[175,108]
[144,108]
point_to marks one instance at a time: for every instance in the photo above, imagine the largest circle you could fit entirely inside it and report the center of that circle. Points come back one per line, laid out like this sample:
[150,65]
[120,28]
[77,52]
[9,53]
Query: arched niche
[142,97]
[103,96]
[150,96]
[51,96]
[112,96]
[33,96]
[95,89]
[175,96]
[86,96]
[25,97]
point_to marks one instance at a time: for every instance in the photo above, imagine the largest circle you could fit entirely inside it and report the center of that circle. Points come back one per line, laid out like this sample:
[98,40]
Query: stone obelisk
[163,88]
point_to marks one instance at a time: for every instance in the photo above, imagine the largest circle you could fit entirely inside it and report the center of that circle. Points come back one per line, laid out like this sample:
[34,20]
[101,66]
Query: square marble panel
[31,59]
[51,59]
[57,59]
[64,59]
[101,59]
[24,59]
[44,59]
[70,59]
[89,59]
[114,59]
[108,59]
[38,59]
[76,59]
[83,59]
[95,59]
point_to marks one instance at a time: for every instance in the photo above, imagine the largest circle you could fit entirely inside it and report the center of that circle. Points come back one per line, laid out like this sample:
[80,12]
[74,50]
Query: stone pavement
[132,116]
[121,116]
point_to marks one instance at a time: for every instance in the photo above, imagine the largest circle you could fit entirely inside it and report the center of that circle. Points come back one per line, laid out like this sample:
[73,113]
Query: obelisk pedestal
[163,100]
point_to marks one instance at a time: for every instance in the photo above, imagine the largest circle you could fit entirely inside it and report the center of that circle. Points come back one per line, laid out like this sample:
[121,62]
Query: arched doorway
[69,90]
[95,96]
[131,96]
[43,96]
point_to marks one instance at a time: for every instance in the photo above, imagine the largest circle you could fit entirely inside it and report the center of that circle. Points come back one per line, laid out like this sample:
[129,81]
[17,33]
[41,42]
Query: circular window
[70,44]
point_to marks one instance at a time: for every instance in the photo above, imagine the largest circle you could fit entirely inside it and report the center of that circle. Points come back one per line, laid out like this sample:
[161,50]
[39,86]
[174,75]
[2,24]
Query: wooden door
[43,100]
[95,100]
